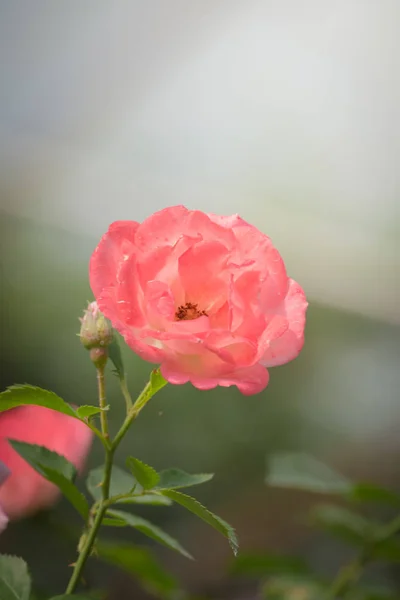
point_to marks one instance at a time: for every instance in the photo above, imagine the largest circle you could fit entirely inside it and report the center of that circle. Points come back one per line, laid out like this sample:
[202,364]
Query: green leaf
[203,513]
[111,522]
[301,471]
[114,352]
[153,499]
[20,395]
[40,457]
[86,411]
[152,531]
[369,492]
[121,482]
[157,381]
[69,490]
[15,583]
[261,565]
[144,474]
[344,524]
[140,563]
[54,468]
[176,478]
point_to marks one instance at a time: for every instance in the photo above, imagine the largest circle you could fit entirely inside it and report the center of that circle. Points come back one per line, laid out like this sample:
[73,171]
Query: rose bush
[207,297]
[22,490]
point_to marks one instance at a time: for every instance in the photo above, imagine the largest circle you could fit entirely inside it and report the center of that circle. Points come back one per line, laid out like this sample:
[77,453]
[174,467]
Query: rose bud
[96,331]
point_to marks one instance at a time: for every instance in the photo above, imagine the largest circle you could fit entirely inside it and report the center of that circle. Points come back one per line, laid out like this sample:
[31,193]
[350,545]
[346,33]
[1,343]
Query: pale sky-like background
[285,111]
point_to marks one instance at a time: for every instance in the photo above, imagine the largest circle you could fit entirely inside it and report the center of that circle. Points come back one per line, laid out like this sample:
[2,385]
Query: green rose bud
[96,331]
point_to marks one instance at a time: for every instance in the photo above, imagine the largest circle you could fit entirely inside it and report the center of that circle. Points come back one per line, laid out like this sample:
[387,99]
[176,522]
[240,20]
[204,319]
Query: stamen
[188,312]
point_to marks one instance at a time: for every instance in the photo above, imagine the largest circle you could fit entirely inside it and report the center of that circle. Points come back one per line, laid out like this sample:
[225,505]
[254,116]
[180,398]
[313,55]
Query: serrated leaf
[15,583]
[140,563]
[69,490]
[20,395]
[344,524]
[121,482]
[203,513]
[176,478]
[369,492]
[145,475]
[302,471]
[261,565]
[152,531]
[86,411]
[39,457]
[56,469]
[157,381]
[153,499]
[114,352]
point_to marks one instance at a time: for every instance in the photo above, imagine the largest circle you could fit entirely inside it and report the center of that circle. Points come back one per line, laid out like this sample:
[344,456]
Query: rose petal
[250,380]
[284,337]
[114,247]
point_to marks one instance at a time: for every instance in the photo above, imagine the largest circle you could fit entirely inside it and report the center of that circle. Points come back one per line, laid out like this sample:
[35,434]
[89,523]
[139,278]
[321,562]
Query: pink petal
[159,303]
[199,272]
[284,336]
[105,261]
[163,228]
[249,381]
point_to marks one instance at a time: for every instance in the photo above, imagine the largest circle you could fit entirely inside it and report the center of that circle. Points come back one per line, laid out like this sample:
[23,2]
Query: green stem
[97,433]
[126,394]
[110,448]
[102,402]
[105,486]
[87,548]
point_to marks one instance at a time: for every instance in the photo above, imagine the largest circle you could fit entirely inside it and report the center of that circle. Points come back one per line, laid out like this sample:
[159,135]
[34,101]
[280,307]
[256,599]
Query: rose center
[188,312]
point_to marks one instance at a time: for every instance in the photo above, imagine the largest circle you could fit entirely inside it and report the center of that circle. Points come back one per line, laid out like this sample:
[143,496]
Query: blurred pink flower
[24,491]
[4,474]
[205,296]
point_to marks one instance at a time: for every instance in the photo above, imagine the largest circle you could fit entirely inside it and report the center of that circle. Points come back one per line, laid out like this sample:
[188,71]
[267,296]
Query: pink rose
[24,491]
[205,296]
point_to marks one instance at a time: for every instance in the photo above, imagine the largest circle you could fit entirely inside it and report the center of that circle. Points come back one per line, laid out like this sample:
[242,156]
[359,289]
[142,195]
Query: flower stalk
[97,515]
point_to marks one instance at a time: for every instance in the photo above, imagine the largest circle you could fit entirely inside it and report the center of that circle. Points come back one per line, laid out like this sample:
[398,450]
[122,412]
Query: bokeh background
[286,112]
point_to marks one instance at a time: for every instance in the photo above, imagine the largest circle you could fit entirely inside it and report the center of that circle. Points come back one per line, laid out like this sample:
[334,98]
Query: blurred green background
[284,112]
